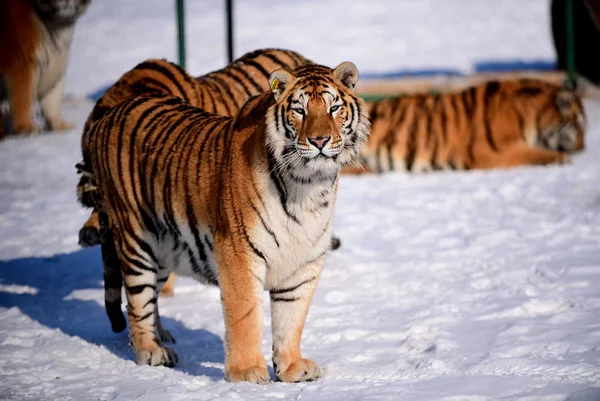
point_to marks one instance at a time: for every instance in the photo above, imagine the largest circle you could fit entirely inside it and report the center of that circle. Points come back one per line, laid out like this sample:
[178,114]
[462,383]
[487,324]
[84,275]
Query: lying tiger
[492,125]
[245,203]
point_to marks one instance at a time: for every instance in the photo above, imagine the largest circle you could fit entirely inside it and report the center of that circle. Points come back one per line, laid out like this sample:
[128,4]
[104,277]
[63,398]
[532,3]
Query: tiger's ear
[347,73]
[278,81]
[564,99]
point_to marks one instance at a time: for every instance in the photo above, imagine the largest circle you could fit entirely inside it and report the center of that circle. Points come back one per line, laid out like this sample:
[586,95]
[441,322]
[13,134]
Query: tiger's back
[495,124]
[225,91]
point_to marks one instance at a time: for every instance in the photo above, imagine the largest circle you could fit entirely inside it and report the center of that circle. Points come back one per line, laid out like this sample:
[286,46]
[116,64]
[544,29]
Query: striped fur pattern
[221,92]
[36,38]
[245,203]
[492,125]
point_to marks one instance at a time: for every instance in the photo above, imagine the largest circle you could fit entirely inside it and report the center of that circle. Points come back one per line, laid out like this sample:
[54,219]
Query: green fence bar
[181,31]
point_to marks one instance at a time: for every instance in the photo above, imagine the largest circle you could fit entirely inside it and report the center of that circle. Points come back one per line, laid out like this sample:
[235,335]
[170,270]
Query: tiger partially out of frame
[495,124]
[243,202]
[35,41]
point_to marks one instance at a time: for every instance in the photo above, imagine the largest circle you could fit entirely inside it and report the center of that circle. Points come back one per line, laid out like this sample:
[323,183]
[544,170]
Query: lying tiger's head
[60,13]
[562,123]
[317,123]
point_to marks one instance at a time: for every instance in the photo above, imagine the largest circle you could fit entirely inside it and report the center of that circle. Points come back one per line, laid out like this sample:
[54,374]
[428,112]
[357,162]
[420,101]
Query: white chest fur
[52,58]
[296,228]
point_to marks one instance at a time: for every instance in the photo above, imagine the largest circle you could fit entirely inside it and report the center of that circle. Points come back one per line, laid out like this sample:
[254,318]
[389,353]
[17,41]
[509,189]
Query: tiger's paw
[25,128]
[301,370]
[564,158]
[59,125]
[254,375]
[159,356]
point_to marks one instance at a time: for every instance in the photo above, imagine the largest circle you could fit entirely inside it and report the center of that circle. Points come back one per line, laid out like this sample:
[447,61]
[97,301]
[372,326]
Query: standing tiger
[492,125]
[222,92]
[35,38]
[245,203]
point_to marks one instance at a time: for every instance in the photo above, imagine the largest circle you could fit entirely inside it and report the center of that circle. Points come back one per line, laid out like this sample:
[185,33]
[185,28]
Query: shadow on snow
[56,277]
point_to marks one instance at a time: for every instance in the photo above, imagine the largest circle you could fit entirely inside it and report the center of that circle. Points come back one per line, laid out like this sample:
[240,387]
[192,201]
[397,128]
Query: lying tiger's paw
[301,370]
[564,158]
[159,356]
[255,375]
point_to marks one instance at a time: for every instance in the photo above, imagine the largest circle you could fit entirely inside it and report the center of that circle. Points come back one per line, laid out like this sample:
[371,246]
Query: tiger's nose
[320,141]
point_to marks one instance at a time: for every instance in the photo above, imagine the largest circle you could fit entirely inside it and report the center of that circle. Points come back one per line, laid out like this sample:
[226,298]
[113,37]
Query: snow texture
[448,286]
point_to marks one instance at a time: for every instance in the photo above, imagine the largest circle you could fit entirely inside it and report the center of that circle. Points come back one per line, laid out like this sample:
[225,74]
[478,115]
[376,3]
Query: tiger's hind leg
[289,307]
[21,84]
[140,271]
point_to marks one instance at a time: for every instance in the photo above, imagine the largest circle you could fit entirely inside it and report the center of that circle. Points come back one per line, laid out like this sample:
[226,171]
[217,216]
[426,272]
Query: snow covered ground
[448,286]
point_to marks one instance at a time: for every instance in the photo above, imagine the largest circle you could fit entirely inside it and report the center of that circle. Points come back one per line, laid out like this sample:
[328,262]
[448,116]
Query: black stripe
[491,89]
[411,142]
[164,71]
[137,289]
[150,301]
[216,91]
[267,229]
[466,98]
[259,67]
[279,185]
[289,289]
[257,88]
[284,299]
[277,60]
[224,86]
[146,316]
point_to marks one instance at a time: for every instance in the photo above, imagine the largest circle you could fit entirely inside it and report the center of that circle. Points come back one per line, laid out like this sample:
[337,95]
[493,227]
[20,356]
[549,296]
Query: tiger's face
[317,123]
[60,13]
[563,124]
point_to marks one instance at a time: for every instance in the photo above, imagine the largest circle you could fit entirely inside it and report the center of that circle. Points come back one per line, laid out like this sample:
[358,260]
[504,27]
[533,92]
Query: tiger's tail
[113,284]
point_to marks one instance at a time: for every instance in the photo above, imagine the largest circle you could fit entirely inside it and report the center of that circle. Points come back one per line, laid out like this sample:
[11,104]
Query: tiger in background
[495,124]
[35,39]
[245,203]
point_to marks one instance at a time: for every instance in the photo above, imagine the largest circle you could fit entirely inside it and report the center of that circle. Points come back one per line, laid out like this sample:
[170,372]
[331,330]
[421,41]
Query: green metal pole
[229,16]
[181,31]
[571,73]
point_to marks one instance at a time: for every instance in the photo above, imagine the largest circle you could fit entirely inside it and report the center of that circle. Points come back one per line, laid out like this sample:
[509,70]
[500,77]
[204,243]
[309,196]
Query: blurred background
[383,38]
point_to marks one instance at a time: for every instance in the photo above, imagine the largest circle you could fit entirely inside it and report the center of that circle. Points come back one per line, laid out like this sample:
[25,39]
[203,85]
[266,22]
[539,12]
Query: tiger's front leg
[140,272]
[241,278]
[289,307]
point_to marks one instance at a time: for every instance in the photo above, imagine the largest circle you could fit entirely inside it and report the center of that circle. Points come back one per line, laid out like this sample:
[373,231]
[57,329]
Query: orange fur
[36,37]
[221,92]
[492,125]
[173,177]
[20,35]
